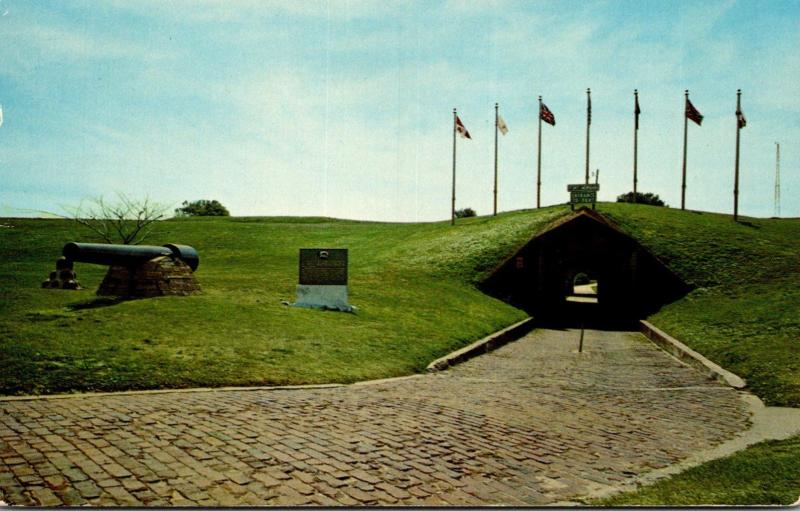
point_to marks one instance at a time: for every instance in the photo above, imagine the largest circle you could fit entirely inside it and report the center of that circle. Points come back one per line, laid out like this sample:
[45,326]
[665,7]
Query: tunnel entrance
[584,268]
[584,289]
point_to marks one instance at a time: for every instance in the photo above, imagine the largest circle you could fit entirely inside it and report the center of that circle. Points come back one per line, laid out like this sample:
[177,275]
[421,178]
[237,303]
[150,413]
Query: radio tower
[777,179]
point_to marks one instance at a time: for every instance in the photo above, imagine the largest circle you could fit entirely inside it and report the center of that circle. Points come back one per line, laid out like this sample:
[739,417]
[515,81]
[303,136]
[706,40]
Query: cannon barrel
[128,255]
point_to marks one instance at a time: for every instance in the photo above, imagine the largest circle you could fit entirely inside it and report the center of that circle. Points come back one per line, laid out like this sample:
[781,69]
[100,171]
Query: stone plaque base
[323,297]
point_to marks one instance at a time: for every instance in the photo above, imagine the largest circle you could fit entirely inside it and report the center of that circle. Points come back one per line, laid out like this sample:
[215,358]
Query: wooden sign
[583,194]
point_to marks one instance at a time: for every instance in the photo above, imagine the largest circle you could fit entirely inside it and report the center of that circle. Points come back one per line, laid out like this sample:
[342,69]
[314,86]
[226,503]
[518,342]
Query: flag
[740,120]
[637,111]
[589,110]
[1,115]
[546,115]
[693,114]
[461,129]
[501,125]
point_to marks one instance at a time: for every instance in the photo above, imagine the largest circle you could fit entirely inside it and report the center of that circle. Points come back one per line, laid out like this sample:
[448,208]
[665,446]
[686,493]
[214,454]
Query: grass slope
[766,474]
[744,312]
[413,285]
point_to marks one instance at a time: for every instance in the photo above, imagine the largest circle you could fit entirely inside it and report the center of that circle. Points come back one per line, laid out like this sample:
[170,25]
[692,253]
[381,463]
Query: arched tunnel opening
[583,270]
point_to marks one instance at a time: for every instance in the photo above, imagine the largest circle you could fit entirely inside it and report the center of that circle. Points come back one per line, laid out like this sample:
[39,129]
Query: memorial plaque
[323,266]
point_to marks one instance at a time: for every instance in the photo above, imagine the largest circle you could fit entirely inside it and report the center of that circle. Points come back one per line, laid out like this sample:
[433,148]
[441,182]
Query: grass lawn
[413,285]
[767,474]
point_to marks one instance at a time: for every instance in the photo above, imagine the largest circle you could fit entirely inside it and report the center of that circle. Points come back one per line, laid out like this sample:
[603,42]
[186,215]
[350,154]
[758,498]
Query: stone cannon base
[162,276]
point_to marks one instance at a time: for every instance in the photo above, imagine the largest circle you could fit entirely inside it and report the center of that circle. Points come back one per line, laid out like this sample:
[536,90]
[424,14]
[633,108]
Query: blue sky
[344,108]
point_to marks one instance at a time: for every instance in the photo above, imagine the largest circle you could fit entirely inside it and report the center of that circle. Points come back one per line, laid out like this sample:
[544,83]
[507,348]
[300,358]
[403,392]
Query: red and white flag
[461,129]
[546,115]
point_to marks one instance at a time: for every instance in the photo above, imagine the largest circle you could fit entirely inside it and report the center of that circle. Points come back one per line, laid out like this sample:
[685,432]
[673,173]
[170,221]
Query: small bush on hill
[463,213]
[641,198]
[202,207]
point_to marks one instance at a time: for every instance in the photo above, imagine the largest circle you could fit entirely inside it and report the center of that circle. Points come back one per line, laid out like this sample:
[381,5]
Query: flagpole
[685,128]
[539,159]
[453,202]
[736,178]
[635,139]
[588,123]
[495,157]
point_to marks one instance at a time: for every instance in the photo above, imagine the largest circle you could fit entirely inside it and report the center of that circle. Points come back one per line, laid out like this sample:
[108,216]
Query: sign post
[583,194]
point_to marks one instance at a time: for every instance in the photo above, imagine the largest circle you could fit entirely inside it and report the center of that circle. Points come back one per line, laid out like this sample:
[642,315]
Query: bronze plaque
[323,266]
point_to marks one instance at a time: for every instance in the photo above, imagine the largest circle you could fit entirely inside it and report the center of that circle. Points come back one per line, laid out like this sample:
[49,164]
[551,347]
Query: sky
[344,108]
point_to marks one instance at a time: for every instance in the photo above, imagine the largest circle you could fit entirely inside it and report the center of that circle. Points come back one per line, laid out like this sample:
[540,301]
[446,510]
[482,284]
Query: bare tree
[126,220]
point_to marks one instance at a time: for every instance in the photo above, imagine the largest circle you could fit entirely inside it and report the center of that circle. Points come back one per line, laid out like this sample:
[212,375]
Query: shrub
[463,213]
[202,207]
[641,198]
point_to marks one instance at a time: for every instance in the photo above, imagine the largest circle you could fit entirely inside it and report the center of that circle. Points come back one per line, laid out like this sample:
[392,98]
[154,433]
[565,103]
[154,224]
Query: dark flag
[589,110]
[637,111]
[546,115]
[461,129]
[588,124]
[693,114]
[740,120]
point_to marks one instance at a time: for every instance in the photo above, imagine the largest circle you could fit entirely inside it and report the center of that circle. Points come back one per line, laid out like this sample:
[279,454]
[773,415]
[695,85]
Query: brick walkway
[531,423]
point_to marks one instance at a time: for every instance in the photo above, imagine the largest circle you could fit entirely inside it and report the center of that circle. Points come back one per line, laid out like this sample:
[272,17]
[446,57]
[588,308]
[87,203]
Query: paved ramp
[532,423]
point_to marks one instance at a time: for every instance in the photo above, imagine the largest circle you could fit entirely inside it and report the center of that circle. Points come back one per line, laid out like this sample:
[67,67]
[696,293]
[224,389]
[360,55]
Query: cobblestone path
[532,423]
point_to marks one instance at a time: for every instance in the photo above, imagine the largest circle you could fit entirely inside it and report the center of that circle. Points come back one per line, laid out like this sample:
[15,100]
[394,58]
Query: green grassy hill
[413,284]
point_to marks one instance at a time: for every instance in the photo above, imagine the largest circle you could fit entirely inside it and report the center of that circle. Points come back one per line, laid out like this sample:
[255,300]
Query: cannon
[134,270]
[128,255]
